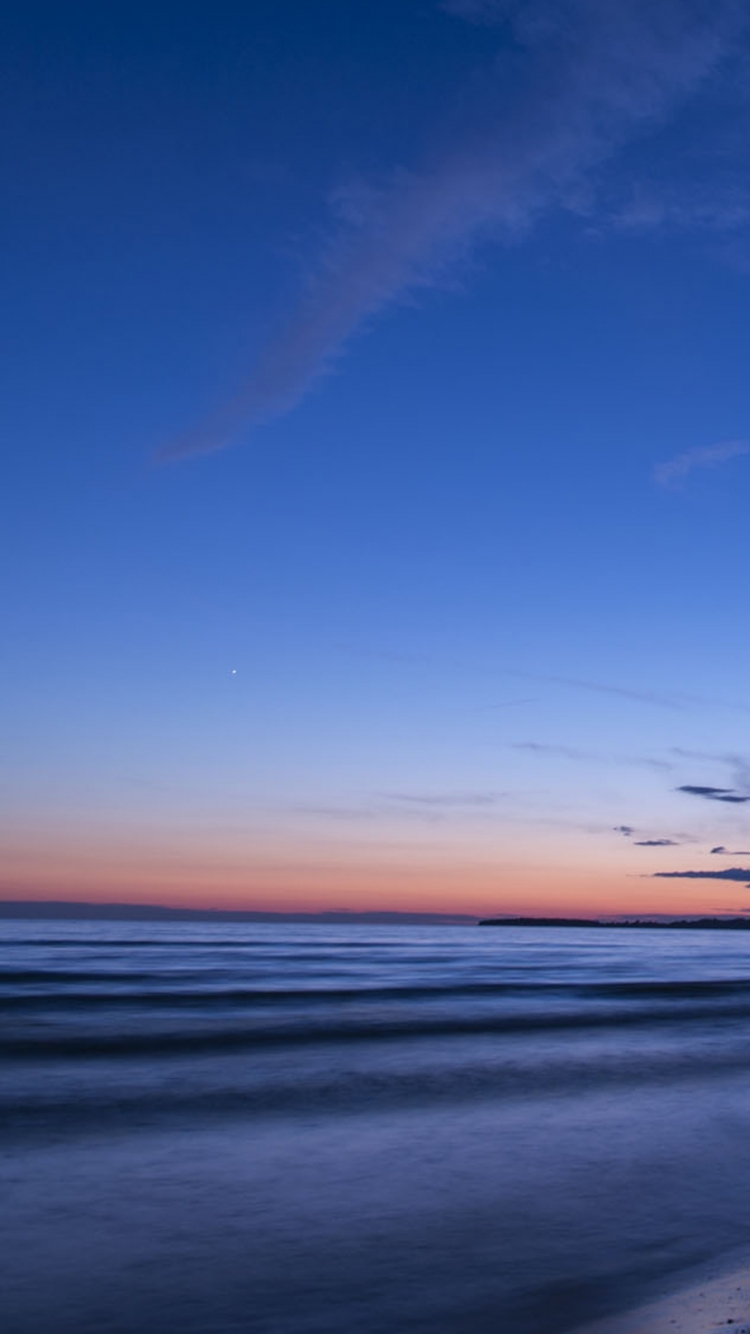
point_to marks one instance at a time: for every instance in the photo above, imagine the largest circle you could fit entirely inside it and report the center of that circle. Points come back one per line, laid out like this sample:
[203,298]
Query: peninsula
[644,924]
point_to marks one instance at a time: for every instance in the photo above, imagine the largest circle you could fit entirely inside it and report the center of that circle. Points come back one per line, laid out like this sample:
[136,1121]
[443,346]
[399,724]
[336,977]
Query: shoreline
[720,1300]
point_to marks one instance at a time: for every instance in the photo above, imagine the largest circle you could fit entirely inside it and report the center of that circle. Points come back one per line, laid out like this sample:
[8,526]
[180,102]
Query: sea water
[304,1129]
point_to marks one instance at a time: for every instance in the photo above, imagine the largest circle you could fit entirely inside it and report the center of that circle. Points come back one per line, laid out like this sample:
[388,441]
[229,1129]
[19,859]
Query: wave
[26,1045]
[372,1089]
[62,992]
[205,993]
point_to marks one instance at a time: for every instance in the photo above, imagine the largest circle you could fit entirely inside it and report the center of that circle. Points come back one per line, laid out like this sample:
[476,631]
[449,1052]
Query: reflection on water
[321,1130]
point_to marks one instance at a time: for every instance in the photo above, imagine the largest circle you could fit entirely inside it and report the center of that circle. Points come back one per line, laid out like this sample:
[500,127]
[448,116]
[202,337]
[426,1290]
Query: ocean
[304,1129]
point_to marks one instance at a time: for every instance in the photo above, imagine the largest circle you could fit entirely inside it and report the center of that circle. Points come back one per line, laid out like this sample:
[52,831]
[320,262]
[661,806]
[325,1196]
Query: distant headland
[61,910]
[630,923]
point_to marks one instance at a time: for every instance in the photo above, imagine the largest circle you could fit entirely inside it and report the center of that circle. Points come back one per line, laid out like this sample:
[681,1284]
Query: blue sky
[377,432]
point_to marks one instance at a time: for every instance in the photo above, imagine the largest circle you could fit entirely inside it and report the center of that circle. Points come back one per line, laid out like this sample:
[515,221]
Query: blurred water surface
[302,1129]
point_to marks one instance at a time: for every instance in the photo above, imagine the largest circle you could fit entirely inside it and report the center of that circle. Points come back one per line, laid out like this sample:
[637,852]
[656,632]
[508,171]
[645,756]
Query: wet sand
[718,1303]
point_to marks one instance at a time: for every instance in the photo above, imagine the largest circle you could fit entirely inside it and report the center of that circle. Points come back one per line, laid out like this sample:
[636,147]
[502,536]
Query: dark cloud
[741,873]
[729,852]
[625,829]
[713,793]
[656,843]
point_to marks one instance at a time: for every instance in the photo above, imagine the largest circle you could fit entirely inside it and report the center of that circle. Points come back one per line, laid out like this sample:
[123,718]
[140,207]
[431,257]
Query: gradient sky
[377,436]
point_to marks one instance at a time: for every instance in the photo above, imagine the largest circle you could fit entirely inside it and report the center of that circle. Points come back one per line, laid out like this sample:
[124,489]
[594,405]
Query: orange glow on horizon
[318,880]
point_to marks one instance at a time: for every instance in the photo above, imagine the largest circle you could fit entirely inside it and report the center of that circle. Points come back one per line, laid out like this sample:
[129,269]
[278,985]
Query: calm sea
[357,1130]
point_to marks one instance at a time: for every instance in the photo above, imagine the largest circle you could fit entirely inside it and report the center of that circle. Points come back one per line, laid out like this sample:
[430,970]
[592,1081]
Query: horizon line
[85,910]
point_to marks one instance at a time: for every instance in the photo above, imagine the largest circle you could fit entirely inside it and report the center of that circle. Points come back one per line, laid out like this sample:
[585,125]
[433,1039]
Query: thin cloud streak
[738,765]
[405,805]
[673,700]
[589,74]
[590,756]
[446,799]
[676,470]
[599,688]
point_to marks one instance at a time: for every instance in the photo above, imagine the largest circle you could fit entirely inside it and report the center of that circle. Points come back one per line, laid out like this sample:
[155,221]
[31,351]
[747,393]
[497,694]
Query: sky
[377,454]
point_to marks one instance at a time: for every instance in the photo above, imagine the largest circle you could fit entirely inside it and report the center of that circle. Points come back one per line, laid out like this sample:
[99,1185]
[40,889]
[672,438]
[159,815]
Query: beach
[715,1302]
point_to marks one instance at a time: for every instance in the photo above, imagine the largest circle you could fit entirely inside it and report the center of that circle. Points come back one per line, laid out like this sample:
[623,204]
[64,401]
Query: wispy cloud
[431,806]
[577,79]
[730,852]
[711,456]
[333,812]
[446,799]
[740,771]
[738,765]
[663,701]
[542,748]
[589,756]
[660,699]
[507,703]
[725,210]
